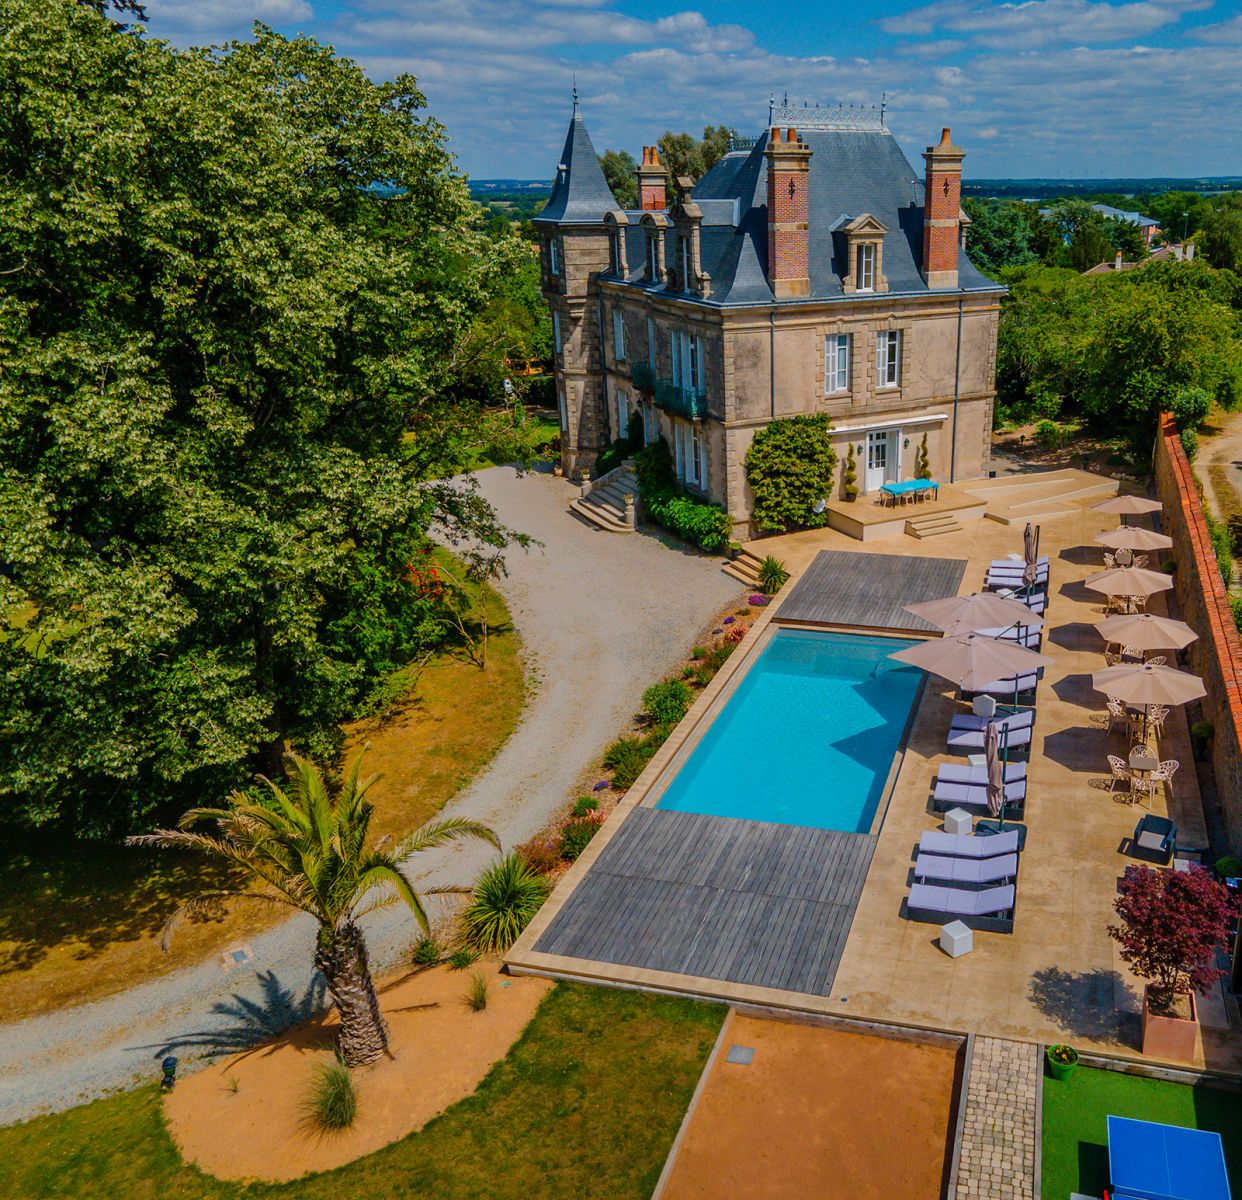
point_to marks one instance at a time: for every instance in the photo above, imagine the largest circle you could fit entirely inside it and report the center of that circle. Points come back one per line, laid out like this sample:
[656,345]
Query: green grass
[586,1104]
[1075,1149]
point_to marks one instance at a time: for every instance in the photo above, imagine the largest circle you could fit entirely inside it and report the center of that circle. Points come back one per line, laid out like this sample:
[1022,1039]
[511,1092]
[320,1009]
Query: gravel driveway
[601,615]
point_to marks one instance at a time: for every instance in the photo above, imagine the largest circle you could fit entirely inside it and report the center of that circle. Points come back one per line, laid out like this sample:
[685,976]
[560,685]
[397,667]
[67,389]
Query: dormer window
[616,222]
[654,225]
[865,278]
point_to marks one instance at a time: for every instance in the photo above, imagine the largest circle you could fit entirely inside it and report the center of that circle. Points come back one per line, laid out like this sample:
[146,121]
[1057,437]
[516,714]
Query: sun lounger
[1019,562]
[966,741]
[969,845]
[1001,688]
[960,773]
[965,872]
[1032,639]
[990,910]
[973,795]
[1014,579]
[1022,719]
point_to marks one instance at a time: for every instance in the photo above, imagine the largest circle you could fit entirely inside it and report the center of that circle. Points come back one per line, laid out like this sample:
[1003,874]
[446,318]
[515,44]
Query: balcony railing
[667,395]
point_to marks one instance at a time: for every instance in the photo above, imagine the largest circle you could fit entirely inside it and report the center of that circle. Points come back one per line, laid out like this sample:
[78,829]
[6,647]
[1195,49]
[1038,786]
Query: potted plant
[849,476]
[1061,1060]
[923,461]
[1171,925]
[1229,867]
[1200,735]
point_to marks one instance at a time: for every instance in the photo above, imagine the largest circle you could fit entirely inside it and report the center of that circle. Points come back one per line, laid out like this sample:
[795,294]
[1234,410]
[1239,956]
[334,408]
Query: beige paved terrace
[1057,977]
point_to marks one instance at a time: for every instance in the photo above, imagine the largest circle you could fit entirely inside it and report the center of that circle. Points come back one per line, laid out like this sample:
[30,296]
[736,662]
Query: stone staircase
[933,525]
[604,504]
[745,569]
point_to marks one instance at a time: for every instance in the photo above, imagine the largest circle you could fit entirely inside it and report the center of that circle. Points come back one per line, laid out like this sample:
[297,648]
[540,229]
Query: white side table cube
[956,939]
[958,820]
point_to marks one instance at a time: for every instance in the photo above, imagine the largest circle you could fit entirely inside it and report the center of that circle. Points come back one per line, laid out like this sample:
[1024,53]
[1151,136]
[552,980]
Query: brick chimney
[942,206]
[652,178]
[789,162]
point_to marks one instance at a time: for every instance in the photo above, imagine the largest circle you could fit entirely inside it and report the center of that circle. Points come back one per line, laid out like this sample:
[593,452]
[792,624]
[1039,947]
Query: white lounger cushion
[966,870]
[972,739]
[968,845]
[976,794]
[959,773]
[959,903]
[1018,720]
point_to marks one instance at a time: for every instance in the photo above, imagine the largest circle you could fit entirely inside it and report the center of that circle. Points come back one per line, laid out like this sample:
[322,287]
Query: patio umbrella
[971,660]
[995,770]
[1145,684]
[979,610]
[1129,581]
[1131,537]
[1146,631]
[1126,506]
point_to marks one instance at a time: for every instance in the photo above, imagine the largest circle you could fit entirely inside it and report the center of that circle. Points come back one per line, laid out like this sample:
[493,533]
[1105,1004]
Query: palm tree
[306,849]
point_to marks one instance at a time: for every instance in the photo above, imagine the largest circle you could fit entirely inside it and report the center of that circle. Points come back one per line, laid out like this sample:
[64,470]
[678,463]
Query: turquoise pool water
[807,737]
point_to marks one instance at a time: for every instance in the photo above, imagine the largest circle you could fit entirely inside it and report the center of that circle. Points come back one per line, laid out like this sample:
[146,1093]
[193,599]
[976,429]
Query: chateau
[810,270]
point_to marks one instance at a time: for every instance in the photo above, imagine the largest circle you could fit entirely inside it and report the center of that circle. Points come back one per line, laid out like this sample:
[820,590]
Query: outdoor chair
[1121,773]
[991,909]
[1110,561]
[969,845]
[1154,839]
[1163,774]
[973,795]
[1117,714]
[1127,654]
[966,872]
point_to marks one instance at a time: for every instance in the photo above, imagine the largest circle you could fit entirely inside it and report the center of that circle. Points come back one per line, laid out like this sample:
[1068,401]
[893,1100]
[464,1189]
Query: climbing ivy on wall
[789,467]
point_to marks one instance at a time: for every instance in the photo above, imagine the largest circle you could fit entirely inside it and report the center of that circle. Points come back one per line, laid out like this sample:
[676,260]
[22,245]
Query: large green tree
[1000,234]
[237,289]
[619,170]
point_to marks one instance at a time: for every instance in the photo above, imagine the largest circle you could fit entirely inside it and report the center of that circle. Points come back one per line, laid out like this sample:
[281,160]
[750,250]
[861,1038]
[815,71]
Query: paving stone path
[1000,1138]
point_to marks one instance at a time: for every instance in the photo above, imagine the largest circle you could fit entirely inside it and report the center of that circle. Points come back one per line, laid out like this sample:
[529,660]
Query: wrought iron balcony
[667,395]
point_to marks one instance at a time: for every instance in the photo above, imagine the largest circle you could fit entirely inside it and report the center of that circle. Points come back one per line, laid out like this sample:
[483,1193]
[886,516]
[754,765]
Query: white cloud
[206,21]
[1223,31]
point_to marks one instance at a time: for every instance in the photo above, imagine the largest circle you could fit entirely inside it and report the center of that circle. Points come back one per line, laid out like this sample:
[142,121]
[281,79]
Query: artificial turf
[1075,1141]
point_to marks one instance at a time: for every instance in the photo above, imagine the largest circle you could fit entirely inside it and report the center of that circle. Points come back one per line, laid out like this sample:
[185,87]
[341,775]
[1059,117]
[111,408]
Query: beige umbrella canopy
[980,610]
[1127,506]
[1146,631]
[1145,684]
[1129,581]
[971,660]
[1131,537]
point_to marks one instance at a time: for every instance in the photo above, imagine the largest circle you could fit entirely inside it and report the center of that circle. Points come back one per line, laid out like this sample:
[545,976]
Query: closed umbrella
[979,610]
[971,660]
[1131,537]
[1030,555]
[995,769]
[1129,581]
[1146,631]
[1128,506]
[1147,684]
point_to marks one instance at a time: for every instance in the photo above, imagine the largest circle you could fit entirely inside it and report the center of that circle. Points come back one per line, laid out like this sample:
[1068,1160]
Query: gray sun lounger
[972,795]
[1001,688]
[991,910]
[965,872]
[963,741]
[1019,563]
[1023,719]
[959,773]
[969,845]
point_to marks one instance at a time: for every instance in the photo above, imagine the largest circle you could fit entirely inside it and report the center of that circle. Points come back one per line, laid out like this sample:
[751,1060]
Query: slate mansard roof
[851,172]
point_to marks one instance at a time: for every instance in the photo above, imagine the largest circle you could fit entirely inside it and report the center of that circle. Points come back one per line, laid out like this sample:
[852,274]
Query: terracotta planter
[1169,1037]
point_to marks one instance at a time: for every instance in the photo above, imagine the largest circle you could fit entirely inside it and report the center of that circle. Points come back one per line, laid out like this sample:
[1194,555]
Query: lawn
[1075,1149]
[81,920]
[586,1104]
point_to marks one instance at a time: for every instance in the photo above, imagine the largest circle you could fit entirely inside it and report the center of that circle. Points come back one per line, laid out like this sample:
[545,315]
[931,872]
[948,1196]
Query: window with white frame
[554,257]
[690,454]
[556,332]
[623,413]
[651,343]
[687,354]
[865,280]
[888,358]
[837,362]
[683,260]
[618,334]
[560,396]
[651,424]
[698,455]
[653,258]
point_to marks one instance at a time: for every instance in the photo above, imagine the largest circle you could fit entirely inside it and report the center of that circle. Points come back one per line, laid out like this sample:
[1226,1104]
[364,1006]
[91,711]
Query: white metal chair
[1117,714]
[1164,774]
[1121,772]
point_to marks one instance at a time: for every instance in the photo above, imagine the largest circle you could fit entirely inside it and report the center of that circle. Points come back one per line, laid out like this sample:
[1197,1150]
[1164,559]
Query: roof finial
[883,106]
[575,78]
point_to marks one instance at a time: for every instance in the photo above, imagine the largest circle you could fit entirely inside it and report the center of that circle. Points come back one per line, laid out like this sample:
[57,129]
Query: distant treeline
[1094,189]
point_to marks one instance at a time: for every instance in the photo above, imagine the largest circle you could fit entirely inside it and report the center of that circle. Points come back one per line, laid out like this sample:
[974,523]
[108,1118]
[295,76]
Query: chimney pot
[791,134]
[944,137]
[1117,262]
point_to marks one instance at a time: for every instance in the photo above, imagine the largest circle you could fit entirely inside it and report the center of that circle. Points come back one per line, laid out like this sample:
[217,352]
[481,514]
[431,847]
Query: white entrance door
[877,460]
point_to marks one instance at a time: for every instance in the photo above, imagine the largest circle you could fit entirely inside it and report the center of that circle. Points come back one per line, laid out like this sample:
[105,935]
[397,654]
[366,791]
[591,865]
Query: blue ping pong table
[1147,1161]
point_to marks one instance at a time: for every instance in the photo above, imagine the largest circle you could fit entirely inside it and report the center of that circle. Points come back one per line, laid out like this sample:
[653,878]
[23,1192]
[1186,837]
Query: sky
[1042,88]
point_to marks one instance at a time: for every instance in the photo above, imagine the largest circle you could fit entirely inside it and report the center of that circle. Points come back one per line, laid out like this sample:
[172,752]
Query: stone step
[600,515]
[738,570]
[935,526]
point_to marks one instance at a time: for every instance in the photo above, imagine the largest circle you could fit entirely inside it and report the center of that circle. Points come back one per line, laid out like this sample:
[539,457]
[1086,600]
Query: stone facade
[645,327]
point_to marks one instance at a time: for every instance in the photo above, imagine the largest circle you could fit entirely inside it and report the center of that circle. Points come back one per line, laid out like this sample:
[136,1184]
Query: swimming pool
[807,737]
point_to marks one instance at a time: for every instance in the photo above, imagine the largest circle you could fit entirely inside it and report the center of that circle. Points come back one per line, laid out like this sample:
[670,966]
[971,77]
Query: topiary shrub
[849,474]
[922,466]
[789,468]
[1229,867]
[666,703]
[772,575]
[506,896]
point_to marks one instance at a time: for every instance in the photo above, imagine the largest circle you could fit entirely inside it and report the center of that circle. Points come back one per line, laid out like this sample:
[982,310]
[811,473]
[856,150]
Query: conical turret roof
[580,193]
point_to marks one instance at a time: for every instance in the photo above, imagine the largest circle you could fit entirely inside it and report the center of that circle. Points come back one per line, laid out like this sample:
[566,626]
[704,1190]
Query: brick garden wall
[1217,656]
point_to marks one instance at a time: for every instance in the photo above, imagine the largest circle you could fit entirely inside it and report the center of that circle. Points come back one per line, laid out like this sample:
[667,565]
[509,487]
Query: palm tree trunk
[341,955]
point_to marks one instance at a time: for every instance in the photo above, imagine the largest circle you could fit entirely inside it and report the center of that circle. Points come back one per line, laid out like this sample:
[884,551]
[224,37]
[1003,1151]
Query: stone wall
[1217,656]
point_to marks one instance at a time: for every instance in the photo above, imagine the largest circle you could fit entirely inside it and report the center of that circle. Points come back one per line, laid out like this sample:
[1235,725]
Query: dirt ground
[244,1117]
[818,1113]
[1105,456]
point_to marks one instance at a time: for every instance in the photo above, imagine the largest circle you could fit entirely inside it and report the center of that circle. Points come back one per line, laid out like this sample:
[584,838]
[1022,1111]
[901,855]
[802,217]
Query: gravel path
[601,616]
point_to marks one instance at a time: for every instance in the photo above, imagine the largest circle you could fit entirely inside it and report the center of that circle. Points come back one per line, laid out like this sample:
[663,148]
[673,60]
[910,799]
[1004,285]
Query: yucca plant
[506,896]
[305,848]
[772,575]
